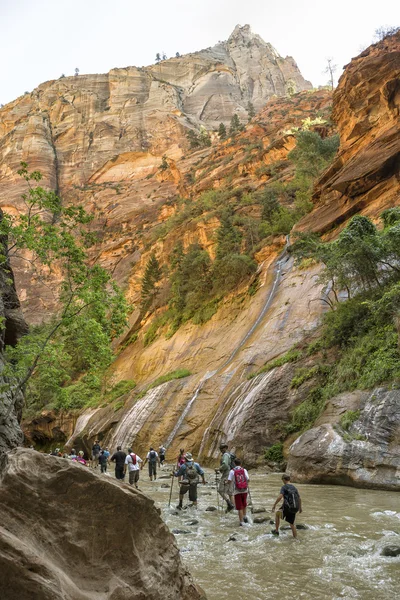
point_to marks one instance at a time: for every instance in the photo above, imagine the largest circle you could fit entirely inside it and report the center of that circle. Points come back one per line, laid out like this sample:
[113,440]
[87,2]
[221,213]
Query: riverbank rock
[367,455]
[257,510]
[260,520]
[391,551]
[68,534]
[211,508]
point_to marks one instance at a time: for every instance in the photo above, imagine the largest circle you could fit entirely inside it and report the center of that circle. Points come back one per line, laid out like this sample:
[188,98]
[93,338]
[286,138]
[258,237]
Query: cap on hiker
[221,446]
[188,456]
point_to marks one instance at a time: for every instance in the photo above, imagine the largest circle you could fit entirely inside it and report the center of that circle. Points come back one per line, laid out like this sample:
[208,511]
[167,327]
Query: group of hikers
[231,478]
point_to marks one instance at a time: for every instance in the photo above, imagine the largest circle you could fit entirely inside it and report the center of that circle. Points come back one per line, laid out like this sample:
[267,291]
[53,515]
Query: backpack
[240,478]
[153,456]
[133,458]
[233,456]
[291,502]
[191,474]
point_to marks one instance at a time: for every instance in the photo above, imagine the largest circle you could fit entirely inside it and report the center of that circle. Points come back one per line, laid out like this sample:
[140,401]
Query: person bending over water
[290,507]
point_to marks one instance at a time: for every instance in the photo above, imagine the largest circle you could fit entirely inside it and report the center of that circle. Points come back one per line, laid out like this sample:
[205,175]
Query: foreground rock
[67,533]
[368,455]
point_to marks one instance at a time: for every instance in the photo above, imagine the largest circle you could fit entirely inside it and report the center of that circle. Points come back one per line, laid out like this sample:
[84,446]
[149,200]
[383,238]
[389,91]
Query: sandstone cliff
[365,177]
[12,327]
[78,536]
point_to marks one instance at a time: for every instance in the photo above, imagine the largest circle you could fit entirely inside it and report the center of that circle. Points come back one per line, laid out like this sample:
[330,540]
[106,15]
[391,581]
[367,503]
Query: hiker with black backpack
[225,487]
[152,458]
[132,462]
[290,507]
[190,473]
[240,479]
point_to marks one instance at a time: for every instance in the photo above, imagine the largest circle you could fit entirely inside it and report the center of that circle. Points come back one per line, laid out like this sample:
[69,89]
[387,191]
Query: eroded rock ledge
[67,533]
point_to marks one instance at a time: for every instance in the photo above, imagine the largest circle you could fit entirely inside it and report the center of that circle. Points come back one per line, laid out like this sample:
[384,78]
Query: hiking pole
[250,498]
[216,485]
[170,492]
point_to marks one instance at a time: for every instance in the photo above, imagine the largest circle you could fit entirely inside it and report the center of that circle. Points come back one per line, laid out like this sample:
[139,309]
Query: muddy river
[337,556]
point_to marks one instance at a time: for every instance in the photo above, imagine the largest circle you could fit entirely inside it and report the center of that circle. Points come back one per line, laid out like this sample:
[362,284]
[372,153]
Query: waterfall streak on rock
[136,417]
[187,408]
[81,423]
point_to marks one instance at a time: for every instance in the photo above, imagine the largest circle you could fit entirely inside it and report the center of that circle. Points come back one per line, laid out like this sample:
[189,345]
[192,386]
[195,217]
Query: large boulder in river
[68,533]
[367,455]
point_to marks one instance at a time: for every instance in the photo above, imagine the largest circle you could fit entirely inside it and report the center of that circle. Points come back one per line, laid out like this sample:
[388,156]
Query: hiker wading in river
[290,507]
[133,462]
[225,487]
[152,458]
[190,472]
[240,478]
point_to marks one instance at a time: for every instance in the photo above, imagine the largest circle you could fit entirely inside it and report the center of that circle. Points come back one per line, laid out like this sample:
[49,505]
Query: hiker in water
[152,459]
[133,462]
[181,458]
[107,454]
[103,461]
[95,454]
[161,452]
[189,474]
[119,458]
[80,458]
[225,487]
[240,478]
[72,455]
[290,507]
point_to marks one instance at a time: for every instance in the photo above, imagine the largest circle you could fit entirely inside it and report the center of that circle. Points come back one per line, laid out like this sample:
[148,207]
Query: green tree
[250,110]
[228,236]
[235,125]
[152,275]
[164,163]
[313,153]
[57,237]
[222,131]
[193,138]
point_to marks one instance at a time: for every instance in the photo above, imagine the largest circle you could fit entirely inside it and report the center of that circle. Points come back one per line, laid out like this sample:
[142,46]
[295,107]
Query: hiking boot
[245,519]
[179,507]
[275,532]
[229,508]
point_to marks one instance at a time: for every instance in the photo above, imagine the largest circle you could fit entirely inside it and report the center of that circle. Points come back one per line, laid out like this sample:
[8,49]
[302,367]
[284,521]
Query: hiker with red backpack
[240,479]
[290,507]
[132,462]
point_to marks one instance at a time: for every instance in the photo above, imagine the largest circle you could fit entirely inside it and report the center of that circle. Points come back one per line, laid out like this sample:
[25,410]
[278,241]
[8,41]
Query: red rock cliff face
[366,175]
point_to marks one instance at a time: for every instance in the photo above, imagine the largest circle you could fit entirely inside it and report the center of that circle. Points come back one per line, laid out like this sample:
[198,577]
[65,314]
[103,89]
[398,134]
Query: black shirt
[119,458]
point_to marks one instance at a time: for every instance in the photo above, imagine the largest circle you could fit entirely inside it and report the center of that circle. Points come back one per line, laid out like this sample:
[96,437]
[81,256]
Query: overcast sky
[41,39]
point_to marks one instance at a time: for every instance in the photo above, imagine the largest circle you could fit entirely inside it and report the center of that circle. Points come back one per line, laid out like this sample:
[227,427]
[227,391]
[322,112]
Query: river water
[337,556]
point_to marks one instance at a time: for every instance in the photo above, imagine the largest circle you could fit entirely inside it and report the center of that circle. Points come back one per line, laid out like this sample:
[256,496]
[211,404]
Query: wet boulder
[257,510]
[211,508]
[260,520]
[64,529]
[391,551]
[192,522]
[366,455]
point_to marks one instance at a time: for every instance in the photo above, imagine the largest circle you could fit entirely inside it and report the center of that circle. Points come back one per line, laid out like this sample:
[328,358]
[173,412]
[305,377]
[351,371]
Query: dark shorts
[192,489]
[241,501]
[134,477]
[152,469]
[289,517]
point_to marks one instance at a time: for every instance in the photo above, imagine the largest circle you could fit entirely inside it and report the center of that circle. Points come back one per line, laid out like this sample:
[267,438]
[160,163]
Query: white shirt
[231,477]
[155,457]
[129,462]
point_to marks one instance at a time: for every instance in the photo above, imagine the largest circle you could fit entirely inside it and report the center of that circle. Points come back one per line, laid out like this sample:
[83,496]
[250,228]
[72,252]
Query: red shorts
[241,501]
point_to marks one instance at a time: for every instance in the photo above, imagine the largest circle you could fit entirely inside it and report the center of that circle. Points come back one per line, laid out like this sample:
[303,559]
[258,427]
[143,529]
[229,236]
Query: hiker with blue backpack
[290,507]
[152,458]
[225,487]
[240,479]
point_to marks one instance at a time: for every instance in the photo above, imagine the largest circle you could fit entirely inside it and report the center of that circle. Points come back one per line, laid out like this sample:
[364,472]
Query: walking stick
[216,485]
[170,492]
[250,498]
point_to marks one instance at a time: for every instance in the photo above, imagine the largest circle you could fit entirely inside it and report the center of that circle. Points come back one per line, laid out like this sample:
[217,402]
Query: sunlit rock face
[365,455]
[77,536]
[365,176]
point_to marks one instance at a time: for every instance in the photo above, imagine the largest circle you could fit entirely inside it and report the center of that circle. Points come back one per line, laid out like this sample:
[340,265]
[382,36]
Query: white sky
[41,39]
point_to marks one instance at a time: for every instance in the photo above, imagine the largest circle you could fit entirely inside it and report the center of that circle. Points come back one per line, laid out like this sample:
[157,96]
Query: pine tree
[250,110]
[235,125]
[222,131]
[151,277]
[164,163]
[193,138]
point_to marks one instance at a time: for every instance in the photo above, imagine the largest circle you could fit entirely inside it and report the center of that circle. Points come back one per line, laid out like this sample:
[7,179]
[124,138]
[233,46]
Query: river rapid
[337,556]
